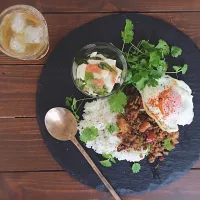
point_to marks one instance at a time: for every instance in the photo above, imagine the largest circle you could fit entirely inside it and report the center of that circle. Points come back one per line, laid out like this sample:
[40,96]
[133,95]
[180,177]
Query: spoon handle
[94,167]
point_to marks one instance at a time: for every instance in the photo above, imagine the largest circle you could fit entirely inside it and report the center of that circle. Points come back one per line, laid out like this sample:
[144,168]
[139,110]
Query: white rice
[98,114]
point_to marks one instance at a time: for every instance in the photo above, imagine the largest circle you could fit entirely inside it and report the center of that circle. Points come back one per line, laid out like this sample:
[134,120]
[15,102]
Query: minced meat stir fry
[138,130]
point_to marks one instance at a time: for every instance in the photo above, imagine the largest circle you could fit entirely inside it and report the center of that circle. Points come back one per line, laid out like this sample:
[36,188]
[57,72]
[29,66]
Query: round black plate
[56,83]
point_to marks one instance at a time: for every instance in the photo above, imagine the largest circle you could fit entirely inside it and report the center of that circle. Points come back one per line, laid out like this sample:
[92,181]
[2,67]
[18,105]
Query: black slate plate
[56,83]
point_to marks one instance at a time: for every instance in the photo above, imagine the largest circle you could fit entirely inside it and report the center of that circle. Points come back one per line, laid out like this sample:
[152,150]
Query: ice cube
[33,34]
[17,44]
[18,23]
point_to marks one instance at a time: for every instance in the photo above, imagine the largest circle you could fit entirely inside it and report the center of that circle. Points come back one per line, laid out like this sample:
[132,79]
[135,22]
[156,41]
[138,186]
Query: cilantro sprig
[181,69]
[136,167]
[72,103]
[89,134]
[109,160]
[117,102]
[127,34]
[147,62]
[176,51]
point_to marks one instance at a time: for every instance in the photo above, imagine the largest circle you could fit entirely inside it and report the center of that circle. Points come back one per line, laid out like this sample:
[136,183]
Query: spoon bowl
[61,123]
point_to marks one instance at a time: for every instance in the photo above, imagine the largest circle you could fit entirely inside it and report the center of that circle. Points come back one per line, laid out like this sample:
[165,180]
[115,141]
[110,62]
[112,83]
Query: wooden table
[27,170]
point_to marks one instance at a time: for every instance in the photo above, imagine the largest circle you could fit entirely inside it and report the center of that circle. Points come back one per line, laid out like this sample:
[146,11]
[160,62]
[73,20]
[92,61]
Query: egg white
[181,116]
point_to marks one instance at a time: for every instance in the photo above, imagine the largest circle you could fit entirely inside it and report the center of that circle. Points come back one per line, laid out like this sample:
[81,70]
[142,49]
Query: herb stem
[86,99]
[173,72]
[79,106]
[123,47]
[137,49]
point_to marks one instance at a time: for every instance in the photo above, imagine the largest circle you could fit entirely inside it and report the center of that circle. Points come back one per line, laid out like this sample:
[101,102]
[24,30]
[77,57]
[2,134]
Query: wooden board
[107,5]
[59,185]
[67,22]
[18,86]
[18,83]
[22,147]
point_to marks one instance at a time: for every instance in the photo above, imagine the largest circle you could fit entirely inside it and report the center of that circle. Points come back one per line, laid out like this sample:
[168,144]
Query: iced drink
[23,33]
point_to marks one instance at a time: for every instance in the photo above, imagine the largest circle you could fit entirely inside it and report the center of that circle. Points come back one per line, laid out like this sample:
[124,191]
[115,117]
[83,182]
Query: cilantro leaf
[111,128]
[117,102]
[89,134]
[136,167]
[184,68]
[154,58]
[176,51]
[143,62]
[107,156]
[152,82]
[146,45]
[163,47]
[176,68]
[127,34]
[72,104]
[112,159]
[164,65]
[68,101]
[141,83]
[168,145]
[106,163]
[128,77]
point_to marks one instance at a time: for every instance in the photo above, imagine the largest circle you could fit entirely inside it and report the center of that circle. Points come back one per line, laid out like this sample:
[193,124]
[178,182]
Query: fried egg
[169,103]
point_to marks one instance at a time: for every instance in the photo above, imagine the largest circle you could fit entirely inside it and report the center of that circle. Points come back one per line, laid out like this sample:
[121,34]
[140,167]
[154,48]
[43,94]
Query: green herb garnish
[146,61]
[163,47]
[89,76]
[104,65]
[168,145]
[136,167]
[108,161]
[127,34]
[181,69]
[89,134]
[111,128]
[117,102]
[72,103]
[176,51]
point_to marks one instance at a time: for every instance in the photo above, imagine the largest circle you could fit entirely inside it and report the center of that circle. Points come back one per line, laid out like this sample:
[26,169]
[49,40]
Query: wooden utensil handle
[94,167]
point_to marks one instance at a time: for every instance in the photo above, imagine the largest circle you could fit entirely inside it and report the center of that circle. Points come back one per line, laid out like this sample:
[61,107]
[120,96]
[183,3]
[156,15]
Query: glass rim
[45,37]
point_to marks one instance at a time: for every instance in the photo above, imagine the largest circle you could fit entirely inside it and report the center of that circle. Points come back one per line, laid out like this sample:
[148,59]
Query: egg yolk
[168,102]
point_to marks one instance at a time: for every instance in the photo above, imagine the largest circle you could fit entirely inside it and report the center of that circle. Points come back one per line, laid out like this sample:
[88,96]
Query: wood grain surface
[59,185]
[67,22]
[18,82]
[27,170]
[22,147]
[107,5]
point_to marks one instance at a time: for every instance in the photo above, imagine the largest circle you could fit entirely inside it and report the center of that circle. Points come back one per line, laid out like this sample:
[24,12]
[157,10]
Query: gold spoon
[62,125]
